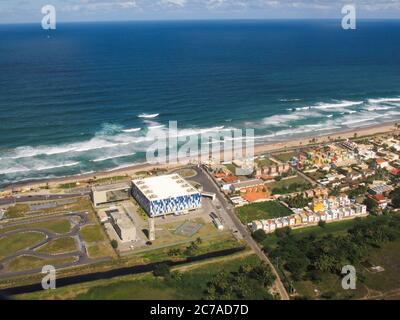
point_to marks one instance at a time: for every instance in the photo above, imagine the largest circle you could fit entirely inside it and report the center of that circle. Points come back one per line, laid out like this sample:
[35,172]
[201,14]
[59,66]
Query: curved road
[80,255]
[209,185]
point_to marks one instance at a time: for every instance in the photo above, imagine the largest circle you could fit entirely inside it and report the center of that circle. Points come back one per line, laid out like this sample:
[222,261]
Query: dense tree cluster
[249,282]
[307,257]
[298,201]
[293,187]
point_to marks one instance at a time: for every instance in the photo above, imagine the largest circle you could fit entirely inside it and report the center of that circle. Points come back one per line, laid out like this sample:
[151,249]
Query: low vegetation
[318,259]
[236,277]
[15,242]
[262,210]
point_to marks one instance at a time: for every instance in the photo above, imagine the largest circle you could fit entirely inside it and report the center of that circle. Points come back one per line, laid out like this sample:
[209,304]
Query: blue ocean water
[70,98]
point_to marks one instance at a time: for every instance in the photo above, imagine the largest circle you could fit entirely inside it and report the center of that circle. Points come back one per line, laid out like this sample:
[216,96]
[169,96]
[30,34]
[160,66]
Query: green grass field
[60,245]
[92,233]
[262,210]
[189,283]
[285,156]
[16,211]
[31,262]
[13,243]
[60,226]
[286,182]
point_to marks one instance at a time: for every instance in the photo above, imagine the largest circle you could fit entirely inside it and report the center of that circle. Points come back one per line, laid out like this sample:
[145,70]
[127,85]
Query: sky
[28,11]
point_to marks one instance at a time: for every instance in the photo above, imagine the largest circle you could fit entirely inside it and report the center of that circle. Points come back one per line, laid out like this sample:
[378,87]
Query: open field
[93,233]
[285,183]
[15,242]
[60,226]
[27,262]
[19,210]
[187,282]
[325,283]
[337,227]
[262,210]
[166,234]
[285,156]
[60,245]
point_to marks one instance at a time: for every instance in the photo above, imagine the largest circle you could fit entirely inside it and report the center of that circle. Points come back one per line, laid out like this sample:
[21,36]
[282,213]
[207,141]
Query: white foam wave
[70,164]
[131,130]
[339,104]
[379,108]
[289,100]
[148,116]
[113,157]
[382,100]
[281,119]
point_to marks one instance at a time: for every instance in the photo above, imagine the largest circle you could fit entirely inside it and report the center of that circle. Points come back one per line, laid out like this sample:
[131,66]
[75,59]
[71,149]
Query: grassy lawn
[231,167]
[387,257]
[13,243]
[187,173]
[285,156]
[100,250]
[111,179]
[68,185]
[92,233]
[60,226]
[329,287]
[265,162]
[286,182]
[262,210]
[337,227]
[289,185]
[31,262]
[165,233]
[60,245]
[16,211]
[189,283]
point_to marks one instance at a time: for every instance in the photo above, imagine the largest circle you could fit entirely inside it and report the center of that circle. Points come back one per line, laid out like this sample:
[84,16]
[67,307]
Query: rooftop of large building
[163,187]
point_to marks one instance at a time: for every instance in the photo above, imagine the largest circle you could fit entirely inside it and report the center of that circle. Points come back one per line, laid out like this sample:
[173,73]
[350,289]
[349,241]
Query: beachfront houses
[329,210]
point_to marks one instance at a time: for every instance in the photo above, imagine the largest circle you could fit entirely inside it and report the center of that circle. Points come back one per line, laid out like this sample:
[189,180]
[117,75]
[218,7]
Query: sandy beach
[258,150]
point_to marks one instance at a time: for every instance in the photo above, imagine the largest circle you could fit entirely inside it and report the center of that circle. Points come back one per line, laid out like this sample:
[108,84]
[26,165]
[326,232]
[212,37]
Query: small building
[218,224]
[292,220]
[298,219]
[272,226]
[304,218]
[322,216]
[310,217]
[256,225]
[285,222]
[123,226]
[110,193]
[278,223]
[243,186]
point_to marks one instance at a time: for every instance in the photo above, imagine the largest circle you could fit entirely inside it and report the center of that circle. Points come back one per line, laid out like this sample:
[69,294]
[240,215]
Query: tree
[259,235]
[371,204]
[395,196]
[161,270]
[322,223]
[114,244]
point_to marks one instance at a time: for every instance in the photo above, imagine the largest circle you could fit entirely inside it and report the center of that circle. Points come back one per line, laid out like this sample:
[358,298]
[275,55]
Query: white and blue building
[162,195]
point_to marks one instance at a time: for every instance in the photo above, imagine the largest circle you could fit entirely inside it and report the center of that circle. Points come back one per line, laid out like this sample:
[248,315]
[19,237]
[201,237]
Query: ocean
[87,96]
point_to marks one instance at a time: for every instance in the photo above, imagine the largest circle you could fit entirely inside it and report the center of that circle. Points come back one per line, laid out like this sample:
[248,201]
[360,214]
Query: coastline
[259,149]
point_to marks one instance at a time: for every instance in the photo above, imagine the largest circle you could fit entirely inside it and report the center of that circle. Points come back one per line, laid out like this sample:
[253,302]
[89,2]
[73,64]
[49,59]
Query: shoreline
[259,149]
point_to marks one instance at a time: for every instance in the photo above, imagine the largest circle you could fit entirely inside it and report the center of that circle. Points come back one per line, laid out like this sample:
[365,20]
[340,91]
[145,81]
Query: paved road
[80,254]
[210,186]
[48,197]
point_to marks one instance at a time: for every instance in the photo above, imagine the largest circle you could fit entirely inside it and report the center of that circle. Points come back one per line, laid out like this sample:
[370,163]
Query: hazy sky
[97,10]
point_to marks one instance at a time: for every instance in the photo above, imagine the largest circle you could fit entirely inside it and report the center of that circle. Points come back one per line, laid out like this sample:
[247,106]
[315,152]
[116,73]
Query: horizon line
[199,20]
